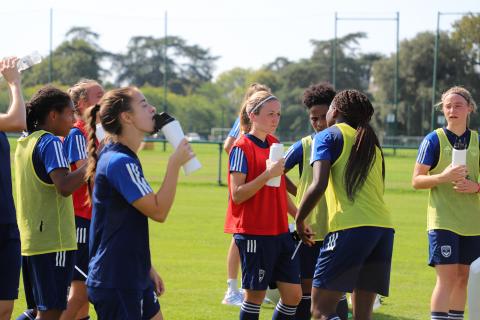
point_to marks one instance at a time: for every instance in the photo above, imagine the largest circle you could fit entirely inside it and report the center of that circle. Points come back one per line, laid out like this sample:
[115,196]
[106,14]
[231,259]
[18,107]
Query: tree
[79,56]
[466,32]
[415,78]
[187,66]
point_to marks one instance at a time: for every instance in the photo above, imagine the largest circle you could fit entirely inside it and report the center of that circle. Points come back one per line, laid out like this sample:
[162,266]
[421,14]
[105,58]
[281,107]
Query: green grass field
[189,250]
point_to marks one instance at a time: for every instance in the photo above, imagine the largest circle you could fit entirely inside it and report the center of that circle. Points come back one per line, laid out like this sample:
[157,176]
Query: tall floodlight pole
[435,60]
[434,76]
[334,55]
[397,44]
[50,60]
[165,66]
[395,85]
[165,70]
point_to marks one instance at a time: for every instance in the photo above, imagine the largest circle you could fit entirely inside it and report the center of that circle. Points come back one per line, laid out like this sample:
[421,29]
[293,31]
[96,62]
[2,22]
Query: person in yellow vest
[347,157]
[43,185]
[10,258]
[317,99]
[453,214]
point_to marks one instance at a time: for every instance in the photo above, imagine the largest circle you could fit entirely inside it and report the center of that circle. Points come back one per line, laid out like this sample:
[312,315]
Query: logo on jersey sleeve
[446,251]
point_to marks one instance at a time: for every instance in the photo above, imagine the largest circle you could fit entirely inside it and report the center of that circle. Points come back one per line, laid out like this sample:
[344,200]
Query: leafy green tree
[79,56]
[187,66]
[415,82]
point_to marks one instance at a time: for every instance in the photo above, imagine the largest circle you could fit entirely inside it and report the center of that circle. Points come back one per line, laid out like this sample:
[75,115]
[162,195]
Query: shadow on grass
[381,316]
[376,315]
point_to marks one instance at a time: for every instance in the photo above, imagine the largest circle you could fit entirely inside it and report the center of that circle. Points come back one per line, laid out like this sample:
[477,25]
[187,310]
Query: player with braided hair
[349,155]
[84,94]
[44,184]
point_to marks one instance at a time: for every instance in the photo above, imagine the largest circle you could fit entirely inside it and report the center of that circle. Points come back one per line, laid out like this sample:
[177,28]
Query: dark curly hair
[318,94]
[43,101]
[357,111]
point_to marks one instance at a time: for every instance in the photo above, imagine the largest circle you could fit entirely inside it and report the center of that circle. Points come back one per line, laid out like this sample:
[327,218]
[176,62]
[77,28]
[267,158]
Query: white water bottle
[172,130]
[474,290]
[276,153]
[459,154]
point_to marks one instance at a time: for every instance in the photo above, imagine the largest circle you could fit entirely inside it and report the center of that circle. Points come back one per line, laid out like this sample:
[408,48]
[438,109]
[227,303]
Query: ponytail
[91,148]
[32,121]
[244,118]
[42,102]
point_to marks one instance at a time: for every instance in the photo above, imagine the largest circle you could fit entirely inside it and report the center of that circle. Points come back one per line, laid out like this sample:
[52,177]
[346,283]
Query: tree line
[201,102]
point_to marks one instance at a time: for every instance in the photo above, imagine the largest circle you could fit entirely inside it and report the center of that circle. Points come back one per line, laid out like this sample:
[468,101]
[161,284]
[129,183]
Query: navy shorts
[357,258]
[50,275]
[81,255]
[10,261]
[27,284]
[266,260]
[447,247]
[122,304]
[308,259]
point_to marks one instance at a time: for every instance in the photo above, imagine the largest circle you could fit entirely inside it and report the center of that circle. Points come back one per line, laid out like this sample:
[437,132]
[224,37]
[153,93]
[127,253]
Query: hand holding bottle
[9,70]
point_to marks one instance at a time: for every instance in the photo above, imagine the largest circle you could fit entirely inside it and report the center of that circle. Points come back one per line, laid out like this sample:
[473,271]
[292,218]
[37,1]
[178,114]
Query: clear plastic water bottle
[29,60]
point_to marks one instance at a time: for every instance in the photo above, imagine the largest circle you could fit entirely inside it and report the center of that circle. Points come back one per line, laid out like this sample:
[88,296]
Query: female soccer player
[454,205]
[233,296]
[348,153]
[317,99]
[122,284]
[257,213]
[84,94]
[10,259]
[44,184]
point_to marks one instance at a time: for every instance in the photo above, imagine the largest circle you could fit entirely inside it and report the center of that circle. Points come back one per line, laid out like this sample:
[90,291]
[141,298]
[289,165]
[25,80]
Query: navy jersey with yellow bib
[362,226]
[369,208]
[45,217]
[448,209]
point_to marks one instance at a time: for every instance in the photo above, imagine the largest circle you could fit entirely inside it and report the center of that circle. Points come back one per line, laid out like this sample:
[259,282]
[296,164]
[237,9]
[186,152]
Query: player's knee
[293,297]
[6,312]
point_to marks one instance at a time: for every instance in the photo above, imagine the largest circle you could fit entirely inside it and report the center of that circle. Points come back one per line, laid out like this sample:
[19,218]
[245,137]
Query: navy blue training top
[429,150]
[7,207]
[327,145]
[119,245]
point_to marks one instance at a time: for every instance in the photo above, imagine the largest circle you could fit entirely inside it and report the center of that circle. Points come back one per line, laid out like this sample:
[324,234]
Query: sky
[246,33]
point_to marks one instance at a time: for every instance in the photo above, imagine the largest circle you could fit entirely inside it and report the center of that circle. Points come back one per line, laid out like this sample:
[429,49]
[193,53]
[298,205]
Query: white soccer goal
[218,134]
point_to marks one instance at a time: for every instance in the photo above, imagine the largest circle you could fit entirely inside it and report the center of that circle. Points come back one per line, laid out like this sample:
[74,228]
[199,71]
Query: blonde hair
[252,89]
[461,91]
[79,91]
[253,105]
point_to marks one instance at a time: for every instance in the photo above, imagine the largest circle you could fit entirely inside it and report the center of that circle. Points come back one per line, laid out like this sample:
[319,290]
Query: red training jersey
[265,213]
[80,205]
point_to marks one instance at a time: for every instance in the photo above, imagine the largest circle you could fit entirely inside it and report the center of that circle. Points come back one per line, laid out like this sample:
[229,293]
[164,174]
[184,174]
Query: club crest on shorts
[446,251]
[261,275]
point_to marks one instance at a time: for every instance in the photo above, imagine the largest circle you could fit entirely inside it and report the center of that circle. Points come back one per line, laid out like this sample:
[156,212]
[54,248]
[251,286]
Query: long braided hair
[357,111]
[112,104]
